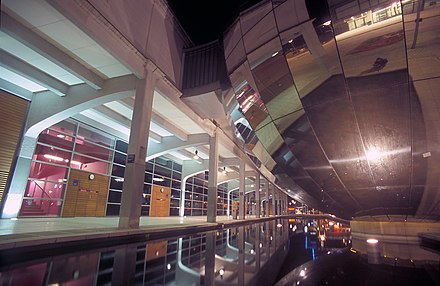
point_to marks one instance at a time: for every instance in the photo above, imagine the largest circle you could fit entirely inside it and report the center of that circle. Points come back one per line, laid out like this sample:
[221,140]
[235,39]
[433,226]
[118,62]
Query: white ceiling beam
[101,126]
[15,89]
[160,120]
[30,72]
[109,113]
[172,143]
[48,108]
[34,41]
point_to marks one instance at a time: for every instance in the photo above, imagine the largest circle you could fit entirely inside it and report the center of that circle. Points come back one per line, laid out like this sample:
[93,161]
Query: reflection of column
[124,265]
[210,259]
[20,178]
[257,195]
[242,189]
[257,246]
[313,43]
[212,179]
[267,240]
[137,152]
[241,255]
[184,274]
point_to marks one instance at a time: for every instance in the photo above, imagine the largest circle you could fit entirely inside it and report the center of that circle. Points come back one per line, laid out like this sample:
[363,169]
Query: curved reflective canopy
[342,107]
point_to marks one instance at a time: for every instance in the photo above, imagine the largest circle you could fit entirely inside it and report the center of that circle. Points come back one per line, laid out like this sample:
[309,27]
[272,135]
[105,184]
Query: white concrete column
[242,189]
[137,151]
[17,188]
[267,198]
[212,179]
[273,202]
[257,195]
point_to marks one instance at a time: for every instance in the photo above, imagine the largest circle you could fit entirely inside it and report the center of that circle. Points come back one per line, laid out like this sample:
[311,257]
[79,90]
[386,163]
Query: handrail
[36,184]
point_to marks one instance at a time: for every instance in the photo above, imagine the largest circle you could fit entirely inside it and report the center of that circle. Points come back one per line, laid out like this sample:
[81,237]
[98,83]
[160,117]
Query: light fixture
[158,179]
[196,155]
[224,170]
[274,54]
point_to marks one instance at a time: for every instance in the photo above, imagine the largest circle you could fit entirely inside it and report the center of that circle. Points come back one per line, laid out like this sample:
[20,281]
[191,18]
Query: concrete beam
[30,72]
[37,43]
[48,108]
[15,89]
[172,143]
[159,120]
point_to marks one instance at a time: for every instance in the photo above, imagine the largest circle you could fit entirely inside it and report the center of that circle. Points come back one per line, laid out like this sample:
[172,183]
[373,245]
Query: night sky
[206,20]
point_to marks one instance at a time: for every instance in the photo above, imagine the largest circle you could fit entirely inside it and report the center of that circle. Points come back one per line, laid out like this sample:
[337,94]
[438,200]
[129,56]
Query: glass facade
[65,145]
[158,171]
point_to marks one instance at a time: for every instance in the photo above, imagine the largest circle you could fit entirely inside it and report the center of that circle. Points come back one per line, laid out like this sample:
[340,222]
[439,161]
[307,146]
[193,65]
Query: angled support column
[242,189]
[130,213]
[189,168]
[20,176]
[257,195]
[212,179]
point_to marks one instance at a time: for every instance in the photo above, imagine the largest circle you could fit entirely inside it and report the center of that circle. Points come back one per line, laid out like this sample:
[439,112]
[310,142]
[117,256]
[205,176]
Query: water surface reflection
[244,255]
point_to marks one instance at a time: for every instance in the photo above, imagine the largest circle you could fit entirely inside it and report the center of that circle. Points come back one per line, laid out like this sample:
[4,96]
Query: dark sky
[206,20]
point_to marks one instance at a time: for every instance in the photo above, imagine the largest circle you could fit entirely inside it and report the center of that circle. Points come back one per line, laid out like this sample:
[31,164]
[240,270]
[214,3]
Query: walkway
[52,232]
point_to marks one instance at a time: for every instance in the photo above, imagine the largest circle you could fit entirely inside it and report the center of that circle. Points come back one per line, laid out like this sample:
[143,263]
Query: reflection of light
[14,218]
[372,241]
[156,179]
[168,266]
[331,223]
[119,179]
[279,225]
[76,163]
[261,245]
[221,271]
[302,273]
[60,136]
[274,54]
[305,228]
[327,23]
[252,251]
[290,41]
[271,237]
[373,154]
[52,157]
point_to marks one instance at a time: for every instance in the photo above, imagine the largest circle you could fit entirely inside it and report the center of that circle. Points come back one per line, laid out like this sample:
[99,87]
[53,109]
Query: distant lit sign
[130,158]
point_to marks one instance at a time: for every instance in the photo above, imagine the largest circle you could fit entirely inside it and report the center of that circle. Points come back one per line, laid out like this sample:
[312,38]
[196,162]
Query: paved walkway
[33,232]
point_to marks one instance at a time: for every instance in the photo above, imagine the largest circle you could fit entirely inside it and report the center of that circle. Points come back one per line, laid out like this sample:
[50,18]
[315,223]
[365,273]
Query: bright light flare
[372,241]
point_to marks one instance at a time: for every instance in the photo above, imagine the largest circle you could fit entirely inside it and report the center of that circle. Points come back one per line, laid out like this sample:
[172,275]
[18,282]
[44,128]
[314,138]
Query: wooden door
[86,195]
[160,201]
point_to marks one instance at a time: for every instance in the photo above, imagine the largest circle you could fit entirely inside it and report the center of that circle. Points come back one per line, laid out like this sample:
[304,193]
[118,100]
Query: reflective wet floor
[275,252]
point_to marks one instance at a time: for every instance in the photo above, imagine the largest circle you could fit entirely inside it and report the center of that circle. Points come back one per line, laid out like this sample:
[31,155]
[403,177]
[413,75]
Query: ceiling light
[196,155]
[274,54]
[224,170]
[156,179]
[60,136]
